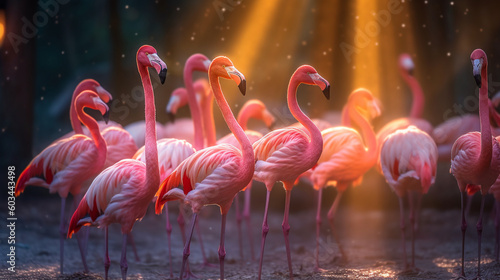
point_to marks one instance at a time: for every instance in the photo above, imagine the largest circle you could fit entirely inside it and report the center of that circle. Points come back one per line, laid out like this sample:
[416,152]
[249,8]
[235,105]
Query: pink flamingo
[255,109]
[345,157]
[122,192]
[215,174]
[409,161]
[284,154]
[475,156]
[406,67]
[66,164]
[137,131]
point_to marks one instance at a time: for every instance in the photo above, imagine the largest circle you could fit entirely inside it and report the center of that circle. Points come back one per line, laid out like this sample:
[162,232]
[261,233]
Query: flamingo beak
[408,65]
[103,94]
[206,63]
[159,66]
[238,78]
[171,116]
[477,64]
[322,84]
[106,117]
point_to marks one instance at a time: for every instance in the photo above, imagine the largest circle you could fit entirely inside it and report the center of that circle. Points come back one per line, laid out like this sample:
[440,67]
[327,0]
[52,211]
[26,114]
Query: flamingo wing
[205,174]
[61,164]
[120,145]
[252,135]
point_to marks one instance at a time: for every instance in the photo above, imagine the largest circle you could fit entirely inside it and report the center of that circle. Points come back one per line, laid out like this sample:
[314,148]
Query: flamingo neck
[96,135]
[150,150]
[239,134]
[486,146]
[345,117]
[73,115]
[193,107]
[493,113]
[316,144]
[368,135]
[208,117]
[247,112]
[417,107]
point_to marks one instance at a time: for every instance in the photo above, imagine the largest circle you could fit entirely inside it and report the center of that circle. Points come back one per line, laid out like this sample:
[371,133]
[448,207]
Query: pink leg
[246,216]
[168,227]
[123,261]
[463,227]
[222,250]
[318,227]
[331,218]
[62,234]
[202,248]
[131,241]
[265,230]
[497,230]
[286,230]
[413,221]
[81,237]
[479,227]
[182,223]
[107,262]
[402,226]
[238,223]
[186,246]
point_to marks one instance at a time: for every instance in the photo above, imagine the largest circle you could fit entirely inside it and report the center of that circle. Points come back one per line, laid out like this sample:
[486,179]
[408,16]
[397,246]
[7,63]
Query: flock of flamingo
[114,181]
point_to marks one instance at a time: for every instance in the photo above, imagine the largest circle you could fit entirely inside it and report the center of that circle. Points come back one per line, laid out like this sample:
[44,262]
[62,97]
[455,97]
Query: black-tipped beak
[163,75]
[477,78]
[106,117]
[326,92]
[171,117]
[243,87]
[410,72]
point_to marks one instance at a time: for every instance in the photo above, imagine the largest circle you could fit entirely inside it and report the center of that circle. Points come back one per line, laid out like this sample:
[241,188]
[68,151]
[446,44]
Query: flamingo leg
[182,223]
[331,218]
[246,216]
[131,241]
[402,226]
[168,228]
[222,250]
[202,248]
[107,261]
[479,227]
[238,223]
[286,230]
[463,227]
[81,237]
[265,230]
[414,198]
[186,246]
[318,227]
[62,234]
[123,261]
[497,228]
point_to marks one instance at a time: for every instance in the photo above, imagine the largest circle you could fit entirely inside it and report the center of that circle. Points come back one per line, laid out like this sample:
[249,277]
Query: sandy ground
[371,240]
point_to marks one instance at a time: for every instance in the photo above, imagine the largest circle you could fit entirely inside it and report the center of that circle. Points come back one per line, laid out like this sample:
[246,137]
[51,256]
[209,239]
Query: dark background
[267,40]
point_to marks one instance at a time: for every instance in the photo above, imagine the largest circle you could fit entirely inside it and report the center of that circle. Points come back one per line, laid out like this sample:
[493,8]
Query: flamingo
[406,67]
[123,191]
[475,156]
[284,154]
[213,175]
[345,157]
[256,109]
[409,161]
[66,164]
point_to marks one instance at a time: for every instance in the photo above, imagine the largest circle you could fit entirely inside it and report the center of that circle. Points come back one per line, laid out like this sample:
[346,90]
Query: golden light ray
[2,26]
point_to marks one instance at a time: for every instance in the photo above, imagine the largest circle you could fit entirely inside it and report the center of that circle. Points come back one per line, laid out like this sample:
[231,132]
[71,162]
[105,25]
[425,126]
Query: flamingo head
[91,84]
[309,76]
[147,56]
[222,66]
[364,102]
[259,111]
[90,99]
[406,63]
[478,59]
[177,100]
[197,62]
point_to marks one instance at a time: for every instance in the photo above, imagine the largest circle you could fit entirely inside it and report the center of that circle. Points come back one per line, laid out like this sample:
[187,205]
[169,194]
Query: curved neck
[368,135]
[316,144]
[417,106]
[345,117]
[73,115]
[150,150]
[99,141]
[486,146]
[193,107]
[239,134]
[248,111]
[207,109]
